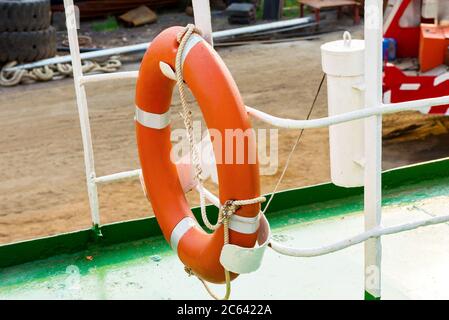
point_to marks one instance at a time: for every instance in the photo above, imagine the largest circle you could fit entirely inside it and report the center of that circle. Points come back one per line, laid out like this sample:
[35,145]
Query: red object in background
[407,38]
[103,8]
[399,87]
[429,43]
[433,46]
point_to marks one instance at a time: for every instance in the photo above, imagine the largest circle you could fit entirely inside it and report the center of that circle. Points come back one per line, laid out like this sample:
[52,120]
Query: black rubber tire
[27,46]
[24,15]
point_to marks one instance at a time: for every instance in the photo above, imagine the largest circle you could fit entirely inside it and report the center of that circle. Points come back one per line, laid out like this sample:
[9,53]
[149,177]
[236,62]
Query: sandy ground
[42,182]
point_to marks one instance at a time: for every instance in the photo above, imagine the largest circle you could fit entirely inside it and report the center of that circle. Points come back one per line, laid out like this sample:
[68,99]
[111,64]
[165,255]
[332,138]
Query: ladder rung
[118,176]
[108,76]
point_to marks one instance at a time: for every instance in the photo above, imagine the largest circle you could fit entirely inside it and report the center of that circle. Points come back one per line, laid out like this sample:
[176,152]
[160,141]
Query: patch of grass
[290,10]
[110,24]
[259,11]
[290,3]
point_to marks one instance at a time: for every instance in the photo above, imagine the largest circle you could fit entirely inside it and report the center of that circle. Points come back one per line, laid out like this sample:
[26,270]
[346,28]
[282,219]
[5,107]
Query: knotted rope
[231,206]
[226,212]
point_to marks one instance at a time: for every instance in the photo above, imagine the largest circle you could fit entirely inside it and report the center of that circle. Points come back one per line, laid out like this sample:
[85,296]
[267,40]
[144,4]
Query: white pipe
[135,173]
[348,116]
[261,27]
[373,145]
[108,76]
[84,56]
[118,176]
[144,46]
[343,244]
[418,104]
[83,112]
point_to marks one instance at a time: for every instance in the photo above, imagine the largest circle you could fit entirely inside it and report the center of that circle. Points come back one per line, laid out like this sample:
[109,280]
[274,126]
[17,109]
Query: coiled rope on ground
[53,71]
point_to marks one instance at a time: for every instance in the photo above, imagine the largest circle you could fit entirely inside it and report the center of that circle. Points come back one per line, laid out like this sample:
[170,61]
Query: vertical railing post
[202,14]
[373,145]
[71,22]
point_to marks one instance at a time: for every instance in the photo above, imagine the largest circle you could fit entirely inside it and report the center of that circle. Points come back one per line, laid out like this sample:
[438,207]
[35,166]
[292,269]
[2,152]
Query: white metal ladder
[202,20]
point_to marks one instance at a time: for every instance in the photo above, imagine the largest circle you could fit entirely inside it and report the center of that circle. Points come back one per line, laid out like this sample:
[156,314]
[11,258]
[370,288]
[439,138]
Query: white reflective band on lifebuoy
[180,230]
[152,120]
[193,40]
[245,260]
[243,224]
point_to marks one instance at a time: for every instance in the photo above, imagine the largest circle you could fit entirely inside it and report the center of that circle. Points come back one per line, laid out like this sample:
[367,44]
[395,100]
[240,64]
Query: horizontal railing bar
[108,76]
[135,174]
[118,176]
[420,104]
[373,233]
[345,117]
[284,122]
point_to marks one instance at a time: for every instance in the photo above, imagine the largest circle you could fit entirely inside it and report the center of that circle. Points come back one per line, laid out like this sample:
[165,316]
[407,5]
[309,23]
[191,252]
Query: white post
[373,145]
[70,11]
[201,12]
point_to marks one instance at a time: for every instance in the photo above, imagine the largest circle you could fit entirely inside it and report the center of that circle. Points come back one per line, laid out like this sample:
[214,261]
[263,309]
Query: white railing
[374,108]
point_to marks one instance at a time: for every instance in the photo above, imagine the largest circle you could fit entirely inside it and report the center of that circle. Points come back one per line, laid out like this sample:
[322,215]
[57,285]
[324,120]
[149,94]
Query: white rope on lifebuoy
[230,206]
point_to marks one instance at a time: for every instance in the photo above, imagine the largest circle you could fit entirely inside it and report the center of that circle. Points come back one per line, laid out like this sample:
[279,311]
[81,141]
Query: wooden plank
[317,5]
[320,4]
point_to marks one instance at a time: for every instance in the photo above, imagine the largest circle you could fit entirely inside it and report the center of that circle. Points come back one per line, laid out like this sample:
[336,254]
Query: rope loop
[189,28]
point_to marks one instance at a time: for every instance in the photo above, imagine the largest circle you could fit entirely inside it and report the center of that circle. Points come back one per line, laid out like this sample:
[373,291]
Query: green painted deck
[132,261]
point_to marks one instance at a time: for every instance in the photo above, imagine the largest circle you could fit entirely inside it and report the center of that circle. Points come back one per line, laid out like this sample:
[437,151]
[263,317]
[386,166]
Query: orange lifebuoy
[222,107]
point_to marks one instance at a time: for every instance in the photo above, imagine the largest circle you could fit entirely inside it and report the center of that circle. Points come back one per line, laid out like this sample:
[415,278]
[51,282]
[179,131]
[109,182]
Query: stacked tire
[25,31]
